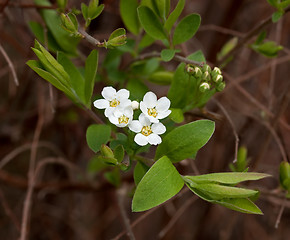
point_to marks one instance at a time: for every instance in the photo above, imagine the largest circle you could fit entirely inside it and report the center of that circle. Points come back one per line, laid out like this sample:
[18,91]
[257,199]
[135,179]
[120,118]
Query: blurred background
[39,122]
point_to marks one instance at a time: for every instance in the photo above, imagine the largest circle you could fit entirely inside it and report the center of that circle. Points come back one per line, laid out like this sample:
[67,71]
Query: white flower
[147,132]
[153,109]
[122,117]
[113,100]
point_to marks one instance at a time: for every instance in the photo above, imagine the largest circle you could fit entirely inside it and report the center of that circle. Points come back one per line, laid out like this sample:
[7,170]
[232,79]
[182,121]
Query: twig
[178,214]
[248,36]
[280,213]
[9,211]
[31,180]
[221,30]
[10,64]
[120,197]
[90,39]
[237,140]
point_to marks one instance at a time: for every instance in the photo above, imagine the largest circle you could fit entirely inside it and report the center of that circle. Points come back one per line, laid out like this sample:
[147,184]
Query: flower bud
[206,76]
[220,86]
[204,87]
[218,78]
[206,68]
[285,175]
[106,151]
[189,69]
[135,105]
[216,71]
[197,72]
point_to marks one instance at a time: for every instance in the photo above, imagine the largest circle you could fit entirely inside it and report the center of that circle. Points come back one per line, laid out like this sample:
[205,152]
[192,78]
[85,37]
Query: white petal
[123,94]
[152,119]
[140,139]
[163,104]
[150,99]
[109,111]
[154,139]
[143,107]
[158,128]
[113,119]
[144,120]
[118,112]
[162,115]
[101,103]
[128,111]
[135,126]
[125,103]
[109,93]
[122,125]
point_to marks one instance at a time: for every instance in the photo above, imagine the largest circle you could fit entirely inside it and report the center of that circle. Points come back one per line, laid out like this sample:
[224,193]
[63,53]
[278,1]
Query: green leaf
[161,77]
[128,10]
[231,178]
[97,135]
[159,184]
[119,153]
[95,165]
[186,140]
[139,171]
[84,8]
[179,89]
[146,41]
[243,205]
[163,7]
[35,66]
[97,12]
[273,3]
[167,54]
[276,16]
[268,49]
[76,79]
[228,46]
[218,192]
[113,177]
[91,68]
[118,37]
[186,28]
[151,23]
[174,15]
[137,89]
[176,115]
[260,37]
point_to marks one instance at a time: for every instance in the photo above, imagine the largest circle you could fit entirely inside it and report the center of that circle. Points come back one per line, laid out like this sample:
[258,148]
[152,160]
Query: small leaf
[167,54]
[90,75]
[229,178]
[118,37]
[161,77]
[268,49]
[151,23]
[159,184]
[186,28]
[128,10]
[176,115]
[84,8]
[228,46]
[113,177]
[276,16]
[98,11]
[97,135]
[184,141]
[174,15]
[119,153]
[139,171]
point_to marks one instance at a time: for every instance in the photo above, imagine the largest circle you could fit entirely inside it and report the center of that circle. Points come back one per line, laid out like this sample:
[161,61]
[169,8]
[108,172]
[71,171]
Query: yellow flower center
[123,119]
[146,130]
[152,112]
[114,103]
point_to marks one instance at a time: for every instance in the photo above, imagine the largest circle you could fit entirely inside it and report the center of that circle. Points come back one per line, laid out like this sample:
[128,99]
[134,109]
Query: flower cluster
[207,77]
[119,110]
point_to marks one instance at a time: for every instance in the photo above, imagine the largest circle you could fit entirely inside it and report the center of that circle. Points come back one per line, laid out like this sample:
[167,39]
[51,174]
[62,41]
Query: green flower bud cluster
[208,78]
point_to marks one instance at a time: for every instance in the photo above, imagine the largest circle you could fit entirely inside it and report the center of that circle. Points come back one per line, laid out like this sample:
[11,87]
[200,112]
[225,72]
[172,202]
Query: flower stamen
[152,112]
[114,103]
[123,119]
[146,130]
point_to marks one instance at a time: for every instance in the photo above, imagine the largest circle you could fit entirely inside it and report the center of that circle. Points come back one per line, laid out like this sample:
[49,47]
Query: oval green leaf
[97,135]
[167,54]
[231,178]
[186,28]
[128,10]
[159,184]
[186,140]
[174,15]
[151,23]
